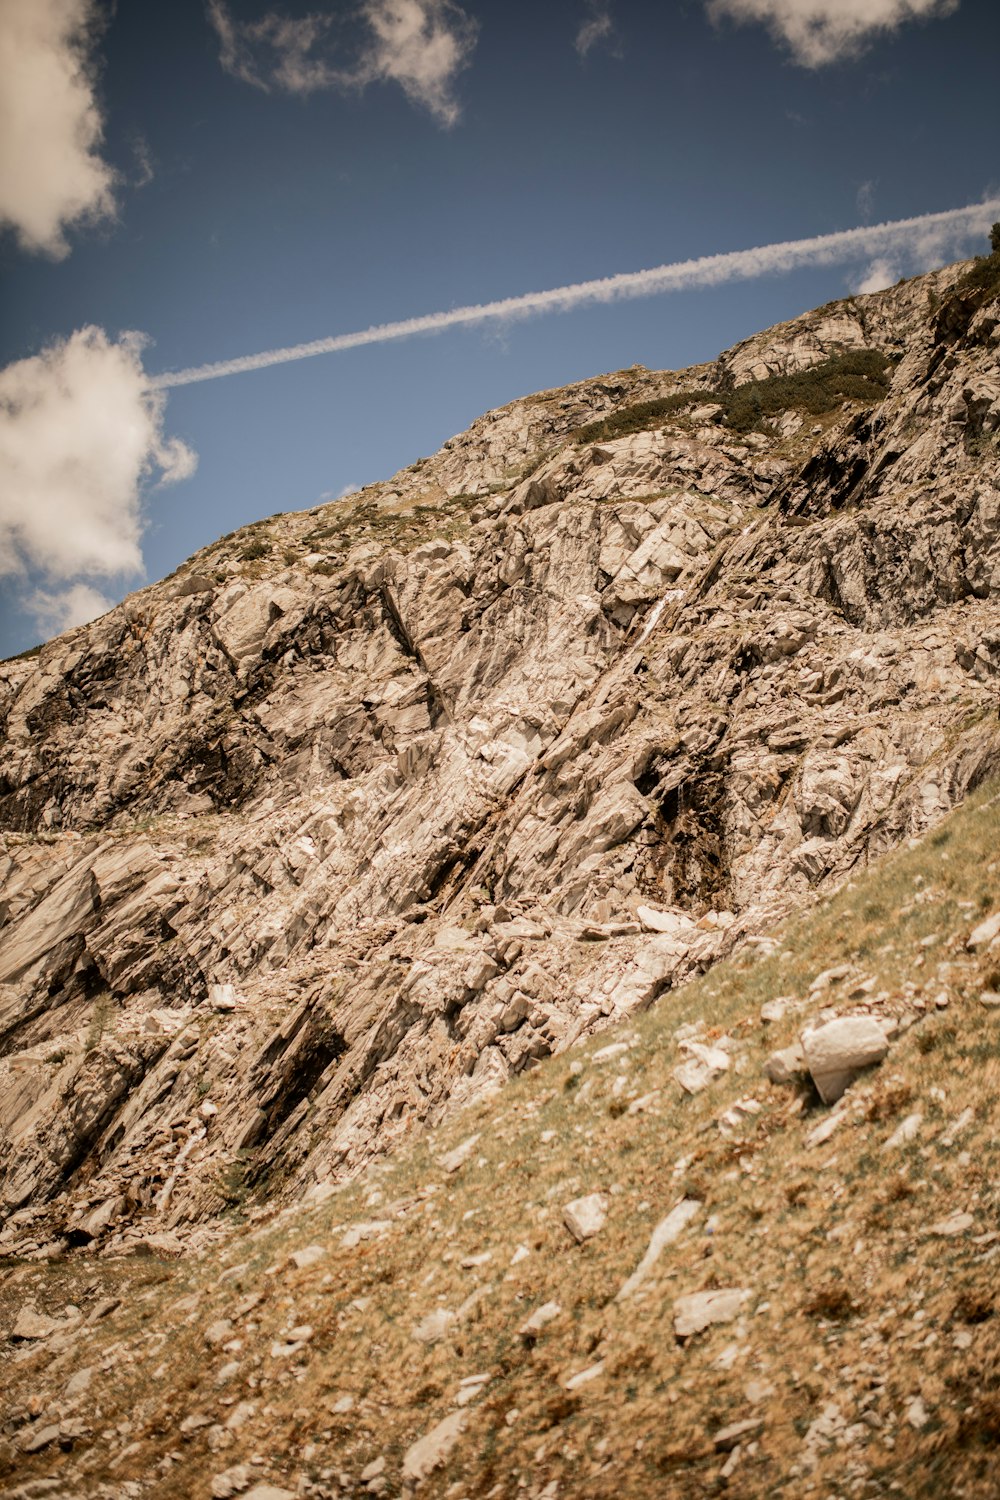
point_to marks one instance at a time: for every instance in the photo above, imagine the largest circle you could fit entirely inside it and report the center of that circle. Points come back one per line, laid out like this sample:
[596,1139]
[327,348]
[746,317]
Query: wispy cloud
[81,435]
[143,170]
[421,45]
[818,32]
[62,609]
[866,198]
[52,174]
[882,272]
[275,51]
[924,240]
[597,26]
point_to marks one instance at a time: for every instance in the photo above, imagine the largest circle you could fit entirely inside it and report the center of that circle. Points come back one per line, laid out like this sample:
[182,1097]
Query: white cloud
[924,241]
[143,159]
[77,605]
[421,45]
[866,198]
[81,434]
[596,27]
[879,274]
[826,31]
[51,171]
[275,51]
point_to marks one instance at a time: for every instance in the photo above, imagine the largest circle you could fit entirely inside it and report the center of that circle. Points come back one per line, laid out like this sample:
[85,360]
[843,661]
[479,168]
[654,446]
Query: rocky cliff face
[367,808]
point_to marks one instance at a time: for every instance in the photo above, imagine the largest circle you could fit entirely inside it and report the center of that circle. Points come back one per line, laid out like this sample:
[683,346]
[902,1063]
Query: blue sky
[257,179]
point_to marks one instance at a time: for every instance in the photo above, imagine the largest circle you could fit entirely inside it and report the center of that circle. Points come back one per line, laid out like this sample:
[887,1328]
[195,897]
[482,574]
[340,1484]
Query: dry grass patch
[857,1303]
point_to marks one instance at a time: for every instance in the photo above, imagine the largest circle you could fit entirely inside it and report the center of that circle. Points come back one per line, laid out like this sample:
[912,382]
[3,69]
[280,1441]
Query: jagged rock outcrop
[351,818]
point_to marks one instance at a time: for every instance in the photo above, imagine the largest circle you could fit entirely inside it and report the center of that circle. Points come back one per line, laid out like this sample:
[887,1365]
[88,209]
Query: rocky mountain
[367,809]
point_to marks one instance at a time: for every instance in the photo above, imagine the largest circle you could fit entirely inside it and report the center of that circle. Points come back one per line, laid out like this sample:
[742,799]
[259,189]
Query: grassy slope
[855,1308]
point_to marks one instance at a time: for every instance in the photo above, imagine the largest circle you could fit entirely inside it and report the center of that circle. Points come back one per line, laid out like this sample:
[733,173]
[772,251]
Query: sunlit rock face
[353,817]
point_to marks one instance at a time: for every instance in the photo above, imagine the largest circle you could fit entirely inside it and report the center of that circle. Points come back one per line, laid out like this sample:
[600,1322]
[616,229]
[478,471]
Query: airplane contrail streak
[928,234]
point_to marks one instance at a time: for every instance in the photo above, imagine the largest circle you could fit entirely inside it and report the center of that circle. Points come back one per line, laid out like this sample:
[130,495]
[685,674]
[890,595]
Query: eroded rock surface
[352,818]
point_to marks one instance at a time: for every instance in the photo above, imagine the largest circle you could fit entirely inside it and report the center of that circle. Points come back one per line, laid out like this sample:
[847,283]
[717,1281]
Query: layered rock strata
[369,807]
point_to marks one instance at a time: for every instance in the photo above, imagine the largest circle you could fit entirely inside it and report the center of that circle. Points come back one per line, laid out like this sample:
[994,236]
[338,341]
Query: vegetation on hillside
[860,375]
[27,655]
[642,416]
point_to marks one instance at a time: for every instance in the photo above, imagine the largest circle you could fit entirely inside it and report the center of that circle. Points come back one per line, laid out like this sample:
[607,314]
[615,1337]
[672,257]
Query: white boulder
[585,1217]
[698,1310]
[837,1052]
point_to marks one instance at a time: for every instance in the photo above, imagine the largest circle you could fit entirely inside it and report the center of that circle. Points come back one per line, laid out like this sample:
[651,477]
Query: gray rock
[699,1310]
[308,1256]
[984,933]
[655,920]
[429,1452]
[837,1052]
[666,1232]
[704,1065]
[369,1230]
[30,1324]
[78,1383]
[543,1315]
[39,1436]
[906,1131]
[955,1224]
[585,1217]
[231,1482]
[435,1325]
[787,1066]
[828,977]
[916,1413]
[222,997]
[726,1439]
[452,1160]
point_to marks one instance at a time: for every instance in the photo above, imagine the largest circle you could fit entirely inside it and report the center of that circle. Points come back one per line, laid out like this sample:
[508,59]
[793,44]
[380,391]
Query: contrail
[929,234]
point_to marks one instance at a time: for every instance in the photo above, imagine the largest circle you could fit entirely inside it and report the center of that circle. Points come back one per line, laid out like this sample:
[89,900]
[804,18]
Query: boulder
[837,1052]
[983,935]
[538,1319]
[452,1160]
[30,1324]
[655,920]
[699,1310]
[230,1482]
[430,1451]
[300,1259]
[585,1217]
[704,1065]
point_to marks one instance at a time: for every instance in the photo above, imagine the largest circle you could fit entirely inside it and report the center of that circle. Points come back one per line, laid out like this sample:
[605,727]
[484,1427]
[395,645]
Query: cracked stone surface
[303,850]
